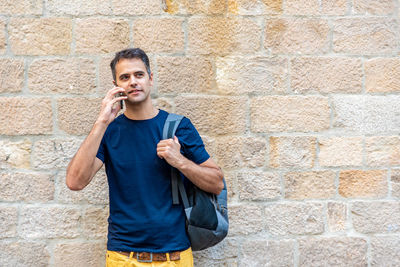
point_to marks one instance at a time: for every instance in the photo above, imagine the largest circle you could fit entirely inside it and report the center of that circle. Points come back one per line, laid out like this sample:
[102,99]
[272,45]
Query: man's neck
[142,111]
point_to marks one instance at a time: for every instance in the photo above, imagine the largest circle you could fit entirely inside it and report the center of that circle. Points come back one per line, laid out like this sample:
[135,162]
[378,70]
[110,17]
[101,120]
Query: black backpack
[206,214]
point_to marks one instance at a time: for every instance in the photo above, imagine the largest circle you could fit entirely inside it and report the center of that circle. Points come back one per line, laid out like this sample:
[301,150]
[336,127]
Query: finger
[176,140]
[112,92]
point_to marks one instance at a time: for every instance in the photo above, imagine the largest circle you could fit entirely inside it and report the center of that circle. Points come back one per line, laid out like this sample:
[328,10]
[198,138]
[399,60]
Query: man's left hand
[170,150]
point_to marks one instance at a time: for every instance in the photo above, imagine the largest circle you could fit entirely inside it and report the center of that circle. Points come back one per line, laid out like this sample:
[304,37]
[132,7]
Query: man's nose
[132,80]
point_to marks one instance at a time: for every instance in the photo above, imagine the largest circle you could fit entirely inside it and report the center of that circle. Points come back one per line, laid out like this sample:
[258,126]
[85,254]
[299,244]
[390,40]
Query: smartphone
[121,102]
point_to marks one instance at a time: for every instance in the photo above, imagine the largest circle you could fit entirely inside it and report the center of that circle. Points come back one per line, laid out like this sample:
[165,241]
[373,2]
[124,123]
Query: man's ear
[115,84]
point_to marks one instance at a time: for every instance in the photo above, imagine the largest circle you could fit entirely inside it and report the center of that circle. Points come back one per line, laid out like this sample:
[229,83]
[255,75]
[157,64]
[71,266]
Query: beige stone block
[363,184]
[28,187]
[96,192]
[334,251]
[376,217]
[231,184]
[78,8]
[334,7]
[23,253]
[15,154]
[226,116]
[382,150]
[169,34]
[382,75]
[337,216]
[255,7]
[77,115]
[54,153]
[264,252]
[366,114]
[289,113]
[292,152]
[136,7]
[395,182]
[385,251]
[301,7]
[223,254]
[11,75]
[3,39]
[94,222]
[62,76]
[164,103]
[340,151]
[8,222]
[245,219]
[21,7]
[223,36]
[294,219]
[374,7]
[49,222]
[40,36]
[206,7]
[310,185]
[365,36]
[101,36]
[257,185]
[240,152]
[326,75]
[22,116]
[297,36]
[79,254]
[246,75]
[185,75]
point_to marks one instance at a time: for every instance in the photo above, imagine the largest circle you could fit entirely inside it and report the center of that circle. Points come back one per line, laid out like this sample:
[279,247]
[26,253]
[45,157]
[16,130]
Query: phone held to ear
[121,102]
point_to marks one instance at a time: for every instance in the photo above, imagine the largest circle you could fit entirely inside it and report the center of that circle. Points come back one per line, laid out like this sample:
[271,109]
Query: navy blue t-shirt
[142,217]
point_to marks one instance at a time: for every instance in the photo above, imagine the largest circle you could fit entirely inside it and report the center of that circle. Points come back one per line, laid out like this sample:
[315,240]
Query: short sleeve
[100,151]
[191,142]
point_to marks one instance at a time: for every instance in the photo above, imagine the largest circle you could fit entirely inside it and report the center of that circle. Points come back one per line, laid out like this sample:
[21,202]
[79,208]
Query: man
[144,225]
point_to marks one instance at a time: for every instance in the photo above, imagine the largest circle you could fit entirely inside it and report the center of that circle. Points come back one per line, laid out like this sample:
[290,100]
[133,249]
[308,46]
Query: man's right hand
[109,110]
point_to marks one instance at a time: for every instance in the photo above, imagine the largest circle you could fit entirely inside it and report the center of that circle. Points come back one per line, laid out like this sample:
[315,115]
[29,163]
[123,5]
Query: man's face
[131,74]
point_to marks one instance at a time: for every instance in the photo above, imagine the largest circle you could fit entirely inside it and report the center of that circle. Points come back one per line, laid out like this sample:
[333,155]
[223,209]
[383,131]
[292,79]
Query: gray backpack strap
[170,126]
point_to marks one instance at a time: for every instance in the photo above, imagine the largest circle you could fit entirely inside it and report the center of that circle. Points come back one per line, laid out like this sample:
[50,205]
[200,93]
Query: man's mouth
[135,91]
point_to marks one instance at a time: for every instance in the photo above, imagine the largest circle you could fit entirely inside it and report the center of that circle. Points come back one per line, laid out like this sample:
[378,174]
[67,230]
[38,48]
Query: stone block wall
[297,101]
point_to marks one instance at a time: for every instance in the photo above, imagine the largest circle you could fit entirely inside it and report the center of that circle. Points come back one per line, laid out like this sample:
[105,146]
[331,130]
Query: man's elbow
[72,182]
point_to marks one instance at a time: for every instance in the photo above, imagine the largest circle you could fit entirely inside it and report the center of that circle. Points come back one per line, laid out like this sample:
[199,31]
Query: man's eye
[139,75]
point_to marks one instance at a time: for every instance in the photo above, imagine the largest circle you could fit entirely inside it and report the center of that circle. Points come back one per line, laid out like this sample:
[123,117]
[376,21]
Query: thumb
[176,139]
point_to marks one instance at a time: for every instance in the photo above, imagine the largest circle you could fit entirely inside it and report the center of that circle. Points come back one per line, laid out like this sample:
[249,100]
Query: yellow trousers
[115,259]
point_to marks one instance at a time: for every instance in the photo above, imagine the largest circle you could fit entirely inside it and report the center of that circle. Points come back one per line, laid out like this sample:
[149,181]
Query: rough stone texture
[301,7]
[136,7]
[338,251]
[382,75]
[225,117]
[334,7]
[23,116]
[94,222]
[374,7]
[164,104]
[223,36]
[296,36]
[337,214]
[11,75]
[63,76]
[289,113]
[310,185]
[365,36]
[97,36]
[169,32]
[78,8]
[366,114]
[340,151]
[257,185]
[245,219]
[49,222]
[239,152]
[50,154]
[40,36]
[247,75]
[8,222]
[395,181]
[294,219]
[264,252]
[77,115]
[3,41]
[385,251]
[209,7]
[21,7]
[15,154]
[24,253]
[292,152]
[179,75]
[326,75]
[79,254]
[255,7]
[376,217]
[94,193]
[363,184]
[27,187]
[382,150]
[223,254]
